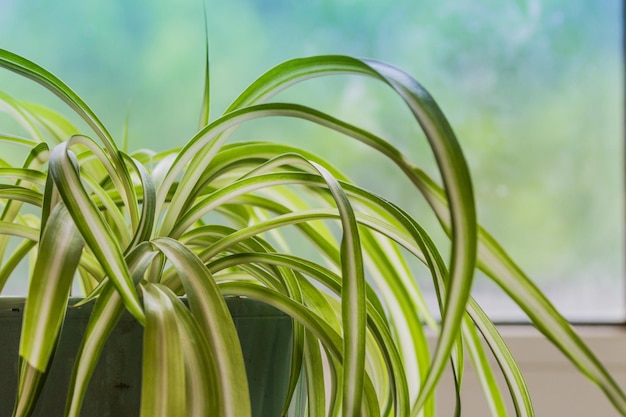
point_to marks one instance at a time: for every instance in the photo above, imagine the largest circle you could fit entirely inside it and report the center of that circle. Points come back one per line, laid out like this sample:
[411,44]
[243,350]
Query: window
[534,90]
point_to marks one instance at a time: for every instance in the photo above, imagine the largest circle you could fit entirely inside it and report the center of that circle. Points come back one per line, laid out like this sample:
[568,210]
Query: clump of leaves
[138,231]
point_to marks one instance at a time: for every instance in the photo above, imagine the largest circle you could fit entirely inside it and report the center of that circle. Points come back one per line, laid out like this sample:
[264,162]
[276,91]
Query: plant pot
[115,390]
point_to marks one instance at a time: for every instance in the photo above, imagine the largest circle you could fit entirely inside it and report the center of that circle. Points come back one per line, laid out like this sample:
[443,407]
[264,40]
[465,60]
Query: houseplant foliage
[138,230]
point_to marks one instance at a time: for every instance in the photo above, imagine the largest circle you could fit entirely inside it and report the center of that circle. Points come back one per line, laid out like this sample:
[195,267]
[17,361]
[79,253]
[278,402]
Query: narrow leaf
[209,308]
[92,227]
[163,379]
[60,249]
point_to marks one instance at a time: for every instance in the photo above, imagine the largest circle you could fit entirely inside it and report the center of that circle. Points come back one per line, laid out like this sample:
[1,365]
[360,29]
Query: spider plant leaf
[499,267]
[10,225]
[15,257]
[148,204]
[326,334]
[241,187]
[125,131]
[21,194]
[510,370]
[320,305]
[403,299]
[209,308]
[105,315]
[24,118]
[321,237]
[449,158]
[46,304]
[23,174]
[301,342]
[20,230]
[37,156]
[314,373]
[17,140]
[281,279]
[447,153]
[205,112]
[57,259]
[146,157]
[92,227]
[484,371]
[119,177]
[26,192]
[29,69]
[29,387]
[163,377]
[194,159]
[494,261]
[59,252]
[107,206]
[58,126]
[353,290]
[251,154]
[352,298]
[201,379]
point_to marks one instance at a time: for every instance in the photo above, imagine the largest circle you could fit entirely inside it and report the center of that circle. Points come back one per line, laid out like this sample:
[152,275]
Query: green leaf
[510,370]
[14,259]
[29,387]
[58,126]
[209,308]
[36,157]
[449,157]
[22,194]
[104,316]
[163,380]
[29,69]
[22,116]
[59,252]
[15,229]
[327,335]
[17,140]
[92,227]
[23,174]
[314,373]
[352,290]
[205,112]
[146,222]
[352,297]
[319,305]
[201,378]
[494,261]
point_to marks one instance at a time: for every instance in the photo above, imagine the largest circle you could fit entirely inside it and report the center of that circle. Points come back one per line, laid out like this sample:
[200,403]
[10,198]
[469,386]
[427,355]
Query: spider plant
[139,230]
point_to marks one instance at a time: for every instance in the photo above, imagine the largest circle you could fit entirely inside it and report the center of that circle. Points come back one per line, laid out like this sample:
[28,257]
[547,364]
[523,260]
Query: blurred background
[534,90]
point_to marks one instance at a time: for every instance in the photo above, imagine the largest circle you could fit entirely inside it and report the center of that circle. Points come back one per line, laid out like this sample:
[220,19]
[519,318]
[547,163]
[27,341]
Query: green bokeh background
[534,90]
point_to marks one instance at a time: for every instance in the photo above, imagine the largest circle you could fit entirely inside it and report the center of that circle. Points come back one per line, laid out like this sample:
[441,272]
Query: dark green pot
[115,390]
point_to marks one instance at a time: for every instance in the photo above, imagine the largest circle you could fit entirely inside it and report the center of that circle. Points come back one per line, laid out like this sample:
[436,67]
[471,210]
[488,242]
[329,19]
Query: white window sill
[556,387]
